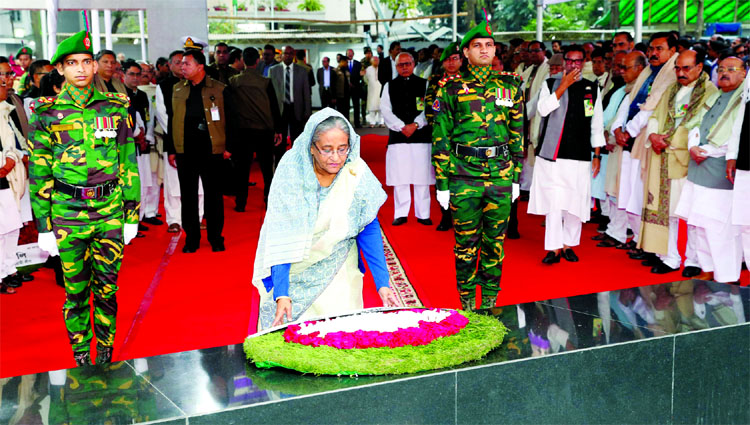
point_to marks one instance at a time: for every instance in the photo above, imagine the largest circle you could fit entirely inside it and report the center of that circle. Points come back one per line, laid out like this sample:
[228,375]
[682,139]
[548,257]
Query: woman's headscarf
[293,202]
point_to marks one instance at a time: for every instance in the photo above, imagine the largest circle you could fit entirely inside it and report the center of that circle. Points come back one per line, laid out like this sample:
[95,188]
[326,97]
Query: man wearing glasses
[407,160]
[676,115]
[628,128]
[706,199]
[140,112]
[561,186]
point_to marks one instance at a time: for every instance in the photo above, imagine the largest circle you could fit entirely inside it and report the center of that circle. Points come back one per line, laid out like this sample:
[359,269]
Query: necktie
[350,66]
[287,85]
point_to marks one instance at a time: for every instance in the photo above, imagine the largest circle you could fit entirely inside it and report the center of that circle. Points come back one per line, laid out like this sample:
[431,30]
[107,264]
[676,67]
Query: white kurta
[564,184]
[406,163]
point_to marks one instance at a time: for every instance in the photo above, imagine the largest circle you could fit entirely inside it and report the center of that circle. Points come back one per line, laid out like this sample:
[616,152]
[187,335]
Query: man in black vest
[408,159]
[561,186]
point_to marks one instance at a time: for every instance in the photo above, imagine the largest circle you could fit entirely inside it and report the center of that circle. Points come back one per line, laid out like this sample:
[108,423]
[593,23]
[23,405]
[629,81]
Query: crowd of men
[635,136]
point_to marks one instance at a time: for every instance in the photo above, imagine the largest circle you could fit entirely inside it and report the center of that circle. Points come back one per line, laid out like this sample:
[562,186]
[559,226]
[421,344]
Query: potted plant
[310,6]
[220,8]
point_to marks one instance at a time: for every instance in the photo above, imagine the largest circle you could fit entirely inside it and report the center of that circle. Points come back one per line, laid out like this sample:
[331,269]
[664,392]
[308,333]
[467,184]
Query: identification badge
[215,113]
[420,104]
[588,107]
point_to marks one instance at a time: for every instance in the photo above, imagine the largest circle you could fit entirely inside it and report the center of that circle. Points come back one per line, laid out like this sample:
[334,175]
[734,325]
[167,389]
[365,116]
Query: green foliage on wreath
[479,337]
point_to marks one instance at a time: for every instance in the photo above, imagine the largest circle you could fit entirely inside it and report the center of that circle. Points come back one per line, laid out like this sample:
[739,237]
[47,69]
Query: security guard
[451,60]
[477,154]
[85,192]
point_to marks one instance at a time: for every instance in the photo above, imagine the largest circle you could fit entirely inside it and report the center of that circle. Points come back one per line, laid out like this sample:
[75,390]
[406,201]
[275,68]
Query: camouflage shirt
[64,147]
[481,108]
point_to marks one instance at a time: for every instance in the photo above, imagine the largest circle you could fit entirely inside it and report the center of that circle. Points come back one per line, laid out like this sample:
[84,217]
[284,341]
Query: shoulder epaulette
[118,98]
[443,81]
[510,74]
[42,103]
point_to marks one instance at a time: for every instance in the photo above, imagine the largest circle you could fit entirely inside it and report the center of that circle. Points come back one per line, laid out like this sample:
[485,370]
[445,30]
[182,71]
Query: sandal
[4,289]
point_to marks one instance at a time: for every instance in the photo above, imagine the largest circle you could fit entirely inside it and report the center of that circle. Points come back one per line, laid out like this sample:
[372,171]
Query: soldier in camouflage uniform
[477,153]
[85,192]
[451,59]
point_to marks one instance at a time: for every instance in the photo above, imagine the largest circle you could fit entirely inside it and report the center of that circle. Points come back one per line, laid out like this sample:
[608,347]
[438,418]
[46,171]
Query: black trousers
[260,143]
[342,105]
[357,108]
[292,126]
[191,166]
[326,96]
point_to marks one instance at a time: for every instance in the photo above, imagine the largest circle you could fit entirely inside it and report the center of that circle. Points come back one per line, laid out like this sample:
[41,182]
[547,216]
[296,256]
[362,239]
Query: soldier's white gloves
[129,231]
[443,198]
[48,242]
[516,192]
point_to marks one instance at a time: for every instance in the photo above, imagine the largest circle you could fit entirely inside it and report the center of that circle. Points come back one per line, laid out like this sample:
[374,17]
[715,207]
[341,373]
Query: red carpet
[178,302]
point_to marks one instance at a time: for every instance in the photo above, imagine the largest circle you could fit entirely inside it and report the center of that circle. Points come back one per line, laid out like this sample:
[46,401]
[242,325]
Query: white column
[273,6]
[43,25]
[95,31]
[51,26]
[454,11]
[144,57]
[108,29]
[539,19]
[638,21]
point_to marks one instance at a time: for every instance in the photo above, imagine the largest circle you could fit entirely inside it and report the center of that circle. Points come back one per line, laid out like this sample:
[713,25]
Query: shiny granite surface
[202,382]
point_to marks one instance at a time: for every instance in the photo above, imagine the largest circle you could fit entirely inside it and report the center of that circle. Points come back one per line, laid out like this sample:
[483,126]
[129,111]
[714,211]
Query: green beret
[483,30]
[25,50]
[77,43]
[449,51]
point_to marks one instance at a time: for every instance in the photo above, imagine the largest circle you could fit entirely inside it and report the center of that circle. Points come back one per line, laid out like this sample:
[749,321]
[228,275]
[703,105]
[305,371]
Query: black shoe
[189,249]
[629,233]
[569,255]
[627,245]
[425,221]
[651,261]
[602,227]
[142,228]
[158,215]
[662,268]
[152,220]
[513,234]
[551,258]
[691,271]
[219,247]
[82,358]
[12,282]
[639,255]
[444,226]
[599,237]
[239,208]
[399,221]
[25,277]
[103,355]
[608,243]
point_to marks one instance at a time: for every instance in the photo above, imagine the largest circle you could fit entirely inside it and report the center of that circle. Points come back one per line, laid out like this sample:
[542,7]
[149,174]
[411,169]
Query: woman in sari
[321,220]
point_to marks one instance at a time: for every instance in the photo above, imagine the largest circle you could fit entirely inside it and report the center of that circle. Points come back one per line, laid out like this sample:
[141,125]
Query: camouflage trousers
[91,254]
[480,219]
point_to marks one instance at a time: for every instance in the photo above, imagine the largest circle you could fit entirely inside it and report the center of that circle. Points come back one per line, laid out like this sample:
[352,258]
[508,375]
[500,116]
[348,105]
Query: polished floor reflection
[211,380]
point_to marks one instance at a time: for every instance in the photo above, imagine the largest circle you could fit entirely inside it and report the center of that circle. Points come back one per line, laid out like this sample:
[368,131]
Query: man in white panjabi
[408,158]
[561,186]
[706,200]
[738,169]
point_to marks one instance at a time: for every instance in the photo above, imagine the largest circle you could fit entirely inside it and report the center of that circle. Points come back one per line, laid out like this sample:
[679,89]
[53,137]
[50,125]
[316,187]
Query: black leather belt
[483,153]
[91,192]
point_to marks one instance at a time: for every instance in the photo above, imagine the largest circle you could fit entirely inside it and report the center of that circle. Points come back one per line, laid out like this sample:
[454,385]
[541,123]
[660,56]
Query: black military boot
[446,221]
[83,358]
[103,355]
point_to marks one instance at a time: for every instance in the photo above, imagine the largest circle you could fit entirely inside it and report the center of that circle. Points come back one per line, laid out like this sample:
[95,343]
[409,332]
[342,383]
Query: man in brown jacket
[199,128]
[258,126]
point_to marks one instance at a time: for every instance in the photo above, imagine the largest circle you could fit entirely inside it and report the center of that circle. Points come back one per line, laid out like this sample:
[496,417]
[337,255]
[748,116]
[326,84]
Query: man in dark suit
[327,77]
[355,85]
[386,70]
[293,92]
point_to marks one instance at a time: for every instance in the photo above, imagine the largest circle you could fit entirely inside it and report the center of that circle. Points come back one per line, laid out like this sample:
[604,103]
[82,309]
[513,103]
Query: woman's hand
[388,297]
[283,308]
